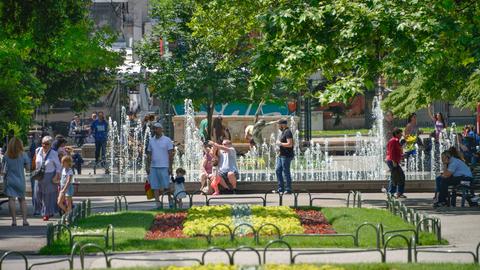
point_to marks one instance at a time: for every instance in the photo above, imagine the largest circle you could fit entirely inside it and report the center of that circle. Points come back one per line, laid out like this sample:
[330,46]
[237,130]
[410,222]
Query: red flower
[314,222]
[167,225]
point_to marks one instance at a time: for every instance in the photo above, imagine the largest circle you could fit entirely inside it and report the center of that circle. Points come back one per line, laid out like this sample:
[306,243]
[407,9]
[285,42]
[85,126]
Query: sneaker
[439,204]
[279,191]
[216,193]
[401,196]
[46,218]
[288,192]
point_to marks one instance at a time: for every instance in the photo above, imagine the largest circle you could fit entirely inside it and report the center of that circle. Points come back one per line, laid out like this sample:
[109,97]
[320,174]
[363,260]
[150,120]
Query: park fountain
[127,141]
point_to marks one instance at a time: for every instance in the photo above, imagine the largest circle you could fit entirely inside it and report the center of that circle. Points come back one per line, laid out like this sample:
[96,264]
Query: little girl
[66,185]
[179,187]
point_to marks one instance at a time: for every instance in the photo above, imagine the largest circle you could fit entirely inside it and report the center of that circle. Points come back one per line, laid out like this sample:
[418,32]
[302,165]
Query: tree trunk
[210,108]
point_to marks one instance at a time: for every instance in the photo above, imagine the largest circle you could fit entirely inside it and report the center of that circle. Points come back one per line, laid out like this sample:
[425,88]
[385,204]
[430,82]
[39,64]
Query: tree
[429,48]
[49,52]
[189,68]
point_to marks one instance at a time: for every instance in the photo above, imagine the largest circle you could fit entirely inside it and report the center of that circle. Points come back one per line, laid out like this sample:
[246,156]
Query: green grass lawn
[364,131]
[339,133]
[361,266]
[130,228]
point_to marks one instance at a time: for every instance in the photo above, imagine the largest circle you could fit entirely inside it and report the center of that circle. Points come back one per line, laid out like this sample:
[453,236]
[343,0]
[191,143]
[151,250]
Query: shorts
[69,191]
[224,175]
[159,178]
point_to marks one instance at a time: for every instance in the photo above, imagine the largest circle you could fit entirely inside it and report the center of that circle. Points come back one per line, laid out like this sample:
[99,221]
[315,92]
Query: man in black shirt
[285,157]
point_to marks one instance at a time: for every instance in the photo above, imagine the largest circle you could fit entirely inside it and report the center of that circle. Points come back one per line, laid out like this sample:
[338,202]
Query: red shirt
[394,150]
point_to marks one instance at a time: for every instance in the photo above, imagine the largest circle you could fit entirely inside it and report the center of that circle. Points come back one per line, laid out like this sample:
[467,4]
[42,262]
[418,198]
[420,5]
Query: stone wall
[236,125]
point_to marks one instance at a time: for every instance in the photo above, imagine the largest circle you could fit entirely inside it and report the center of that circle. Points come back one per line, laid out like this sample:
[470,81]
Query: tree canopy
[427,50]
[50,52]
[186,68]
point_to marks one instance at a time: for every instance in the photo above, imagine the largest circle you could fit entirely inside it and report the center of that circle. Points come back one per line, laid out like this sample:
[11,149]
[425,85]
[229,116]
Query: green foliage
[189,70]
[50,52]
[18,85]
[430,49]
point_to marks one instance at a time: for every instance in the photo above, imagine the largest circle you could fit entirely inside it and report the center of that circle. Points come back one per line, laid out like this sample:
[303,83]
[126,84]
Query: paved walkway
[459,226]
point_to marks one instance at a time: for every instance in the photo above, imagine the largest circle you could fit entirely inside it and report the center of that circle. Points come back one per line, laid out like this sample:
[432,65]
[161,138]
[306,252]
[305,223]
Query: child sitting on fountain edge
[179,181]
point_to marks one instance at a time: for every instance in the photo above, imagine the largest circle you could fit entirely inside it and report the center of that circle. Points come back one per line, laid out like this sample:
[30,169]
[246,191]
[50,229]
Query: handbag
[39,173]
[149,191]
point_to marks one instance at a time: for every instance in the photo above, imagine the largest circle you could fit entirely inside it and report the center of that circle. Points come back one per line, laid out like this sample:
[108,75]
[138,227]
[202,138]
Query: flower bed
[314,222]
[283,217]
[199,220]
[167,225]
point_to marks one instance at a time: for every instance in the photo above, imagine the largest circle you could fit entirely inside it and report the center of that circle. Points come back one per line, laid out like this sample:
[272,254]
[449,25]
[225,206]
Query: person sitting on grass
[66,185]
[455,172]
[179,181]
[228,164]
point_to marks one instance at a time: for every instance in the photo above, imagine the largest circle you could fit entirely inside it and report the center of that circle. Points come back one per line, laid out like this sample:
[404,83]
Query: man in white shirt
[159,162]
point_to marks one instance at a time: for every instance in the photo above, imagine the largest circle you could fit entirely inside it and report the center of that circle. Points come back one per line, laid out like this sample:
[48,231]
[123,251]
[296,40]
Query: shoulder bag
[40,172]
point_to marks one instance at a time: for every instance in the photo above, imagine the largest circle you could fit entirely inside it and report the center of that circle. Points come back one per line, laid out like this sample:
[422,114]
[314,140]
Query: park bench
[466,192]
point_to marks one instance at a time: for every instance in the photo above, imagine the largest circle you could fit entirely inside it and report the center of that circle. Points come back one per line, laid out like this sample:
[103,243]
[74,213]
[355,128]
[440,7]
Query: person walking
[46,189]
[15,162]
[99,129]
[284,158]
[396,185]
[159,163]
[66,186]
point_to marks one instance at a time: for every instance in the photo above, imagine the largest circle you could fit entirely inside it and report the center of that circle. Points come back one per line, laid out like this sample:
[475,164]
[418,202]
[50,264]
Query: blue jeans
[438,183]
[446,182]
[392,189]
[100,146]
[283,167]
